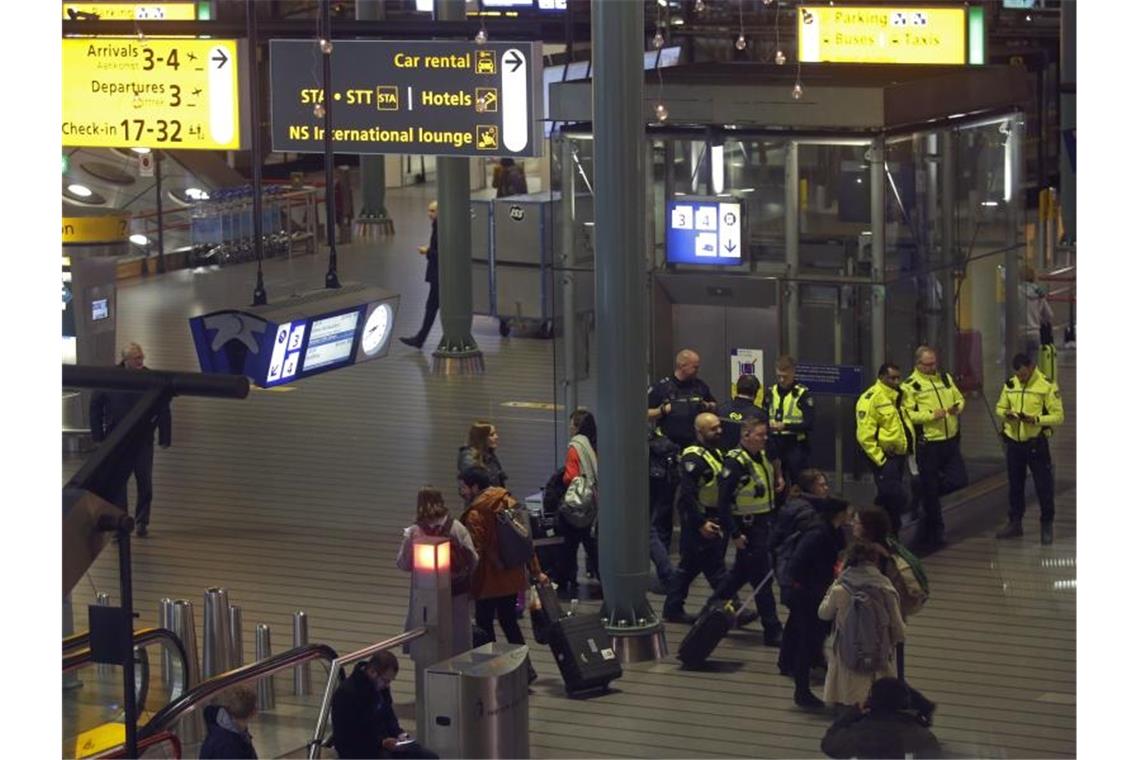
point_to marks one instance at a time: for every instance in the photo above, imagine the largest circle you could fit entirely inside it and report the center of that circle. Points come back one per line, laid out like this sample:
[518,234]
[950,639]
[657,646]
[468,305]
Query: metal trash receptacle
[478,704]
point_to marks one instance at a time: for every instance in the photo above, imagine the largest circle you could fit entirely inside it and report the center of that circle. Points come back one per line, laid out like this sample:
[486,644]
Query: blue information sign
[703,231]
[831,379]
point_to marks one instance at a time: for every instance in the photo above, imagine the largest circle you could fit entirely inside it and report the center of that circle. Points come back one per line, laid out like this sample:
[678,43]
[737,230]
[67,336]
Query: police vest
[787,409]
[755,494]
[708,492]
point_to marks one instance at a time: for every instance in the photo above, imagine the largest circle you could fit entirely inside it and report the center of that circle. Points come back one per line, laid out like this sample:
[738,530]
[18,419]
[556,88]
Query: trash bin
[477,704]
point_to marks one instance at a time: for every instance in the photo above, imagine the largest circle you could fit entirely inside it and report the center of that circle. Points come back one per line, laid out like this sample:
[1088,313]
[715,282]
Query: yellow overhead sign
[157,93]
[850,34]
[170,11]
[108,228]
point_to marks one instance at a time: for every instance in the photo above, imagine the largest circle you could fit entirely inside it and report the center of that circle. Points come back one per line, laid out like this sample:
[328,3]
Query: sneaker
[809,701]
[412,342]
[1011,530]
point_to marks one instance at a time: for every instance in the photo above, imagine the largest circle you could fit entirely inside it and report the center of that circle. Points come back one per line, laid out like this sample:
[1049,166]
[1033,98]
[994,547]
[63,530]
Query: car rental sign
[439,98]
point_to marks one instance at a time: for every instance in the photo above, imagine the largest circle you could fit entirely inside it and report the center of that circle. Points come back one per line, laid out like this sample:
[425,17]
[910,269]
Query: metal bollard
[237,649]
[302,683]
[216,632]
[166,620]
[103,599]
[189,728]
[266,696]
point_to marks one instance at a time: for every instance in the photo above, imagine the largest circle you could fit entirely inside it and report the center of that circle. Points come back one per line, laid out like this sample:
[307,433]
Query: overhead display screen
[155,93]
[393,96]
[882,34]
[704,231]
[330,341]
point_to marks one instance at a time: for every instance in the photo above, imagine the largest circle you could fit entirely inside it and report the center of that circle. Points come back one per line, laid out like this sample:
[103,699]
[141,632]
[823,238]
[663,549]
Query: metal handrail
[334,673]
[77,652]
[165,717]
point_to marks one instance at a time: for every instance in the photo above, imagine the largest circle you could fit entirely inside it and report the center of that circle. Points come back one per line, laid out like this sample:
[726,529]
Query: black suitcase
[713,624]
[584,653]
[548,613]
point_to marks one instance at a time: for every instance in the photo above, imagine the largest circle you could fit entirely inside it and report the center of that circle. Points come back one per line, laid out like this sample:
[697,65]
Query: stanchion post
[216,632]
[266,695]
[302,682]
[431,608]
[237,649]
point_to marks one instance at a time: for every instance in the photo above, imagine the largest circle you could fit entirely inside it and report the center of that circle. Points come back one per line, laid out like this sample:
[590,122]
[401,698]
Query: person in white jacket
[844,685]
[433,519]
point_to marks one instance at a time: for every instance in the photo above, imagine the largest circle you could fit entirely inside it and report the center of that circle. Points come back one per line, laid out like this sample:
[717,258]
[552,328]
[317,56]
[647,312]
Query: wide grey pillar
[457,353]
[372,179]
[878,258]
[1068,117]
[791,246]
[949,171]
[621,283]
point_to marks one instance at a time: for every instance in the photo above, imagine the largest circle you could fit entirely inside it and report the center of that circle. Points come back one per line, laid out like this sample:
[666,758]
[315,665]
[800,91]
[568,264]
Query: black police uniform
[696,503]
[747,505]
[732,416]
[108,409]
[678,427]
[792,446]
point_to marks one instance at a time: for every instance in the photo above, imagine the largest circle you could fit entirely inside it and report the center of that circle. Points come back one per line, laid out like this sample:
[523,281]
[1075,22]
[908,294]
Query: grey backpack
[864,643]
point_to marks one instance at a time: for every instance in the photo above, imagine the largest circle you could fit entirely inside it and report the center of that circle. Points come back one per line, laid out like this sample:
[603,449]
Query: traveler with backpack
[480,451]
[868,624]
[500,576]
[578,511]
[810,572]
[433,519]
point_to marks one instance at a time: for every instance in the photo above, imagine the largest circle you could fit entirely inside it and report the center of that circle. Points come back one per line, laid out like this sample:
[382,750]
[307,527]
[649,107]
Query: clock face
[376,329]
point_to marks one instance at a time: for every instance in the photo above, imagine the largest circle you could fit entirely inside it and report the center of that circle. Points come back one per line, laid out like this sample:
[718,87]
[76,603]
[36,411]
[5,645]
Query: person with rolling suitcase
[580,645]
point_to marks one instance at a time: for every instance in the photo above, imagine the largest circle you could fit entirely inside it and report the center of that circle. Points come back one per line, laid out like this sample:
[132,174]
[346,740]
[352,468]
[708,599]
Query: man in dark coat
[431,277]
[108,408]
[884,728]
[364,720]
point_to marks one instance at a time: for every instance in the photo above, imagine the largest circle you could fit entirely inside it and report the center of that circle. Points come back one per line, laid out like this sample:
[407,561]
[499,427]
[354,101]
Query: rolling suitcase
[584,653]
[713,624]
[546,614]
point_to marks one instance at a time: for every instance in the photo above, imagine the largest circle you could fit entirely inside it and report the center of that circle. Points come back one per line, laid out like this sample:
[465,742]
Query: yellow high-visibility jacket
[1039,399]
[882,423]
[923,395]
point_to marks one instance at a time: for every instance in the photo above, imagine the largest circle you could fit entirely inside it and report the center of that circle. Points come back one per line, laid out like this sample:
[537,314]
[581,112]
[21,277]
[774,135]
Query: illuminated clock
[376,329]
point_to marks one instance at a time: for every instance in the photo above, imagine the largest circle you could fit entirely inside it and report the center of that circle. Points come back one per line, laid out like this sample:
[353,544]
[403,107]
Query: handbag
[580,503]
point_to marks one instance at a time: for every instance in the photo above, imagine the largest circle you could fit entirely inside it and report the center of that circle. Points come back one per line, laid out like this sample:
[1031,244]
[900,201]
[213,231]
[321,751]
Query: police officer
[674,403]
[934,403]
[791,416]
[1030,406]
[886,433]
[702,540]
[746,501]
[742,407]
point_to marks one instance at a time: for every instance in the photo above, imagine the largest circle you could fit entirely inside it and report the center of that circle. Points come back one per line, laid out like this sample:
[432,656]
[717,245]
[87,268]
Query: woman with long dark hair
[480,451]
[577,525]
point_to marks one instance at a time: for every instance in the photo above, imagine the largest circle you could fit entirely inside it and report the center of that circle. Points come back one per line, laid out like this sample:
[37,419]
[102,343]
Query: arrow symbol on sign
[220,58]
[730,246]
[515,60]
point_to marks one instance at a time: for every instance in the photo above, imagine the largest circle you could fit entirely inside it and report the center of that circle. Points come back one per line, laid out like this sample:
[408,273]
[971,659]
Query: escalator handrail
[166,717]
[143,636]
[334,679]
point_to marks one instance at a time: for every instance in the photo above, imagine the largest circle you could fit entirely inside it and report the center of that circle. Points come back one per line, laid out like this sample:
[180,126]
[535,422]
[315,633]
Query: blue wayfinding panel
[703,231]
[831,379]
[301,336]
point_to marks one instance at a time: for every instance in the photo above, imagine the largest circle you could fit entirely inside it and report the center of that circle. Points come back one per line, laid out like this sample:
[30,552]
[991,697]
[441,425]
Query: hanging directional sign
[389,96]
[704,231]
[154,93]
[106,11]
[881,34]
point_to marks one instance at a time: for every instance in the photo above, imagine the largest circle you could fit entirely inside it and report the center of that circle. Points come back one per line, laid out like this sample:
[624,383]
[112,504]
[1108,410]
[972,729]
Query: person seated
[363,717]
[227,725]
[885,727]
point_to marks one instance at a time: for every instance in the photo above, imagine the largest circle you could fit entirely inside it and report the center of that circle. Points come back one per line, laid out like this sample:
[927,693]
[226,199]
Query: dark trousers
[144,483]
[661,493]
[413,751]
[430,310]
[793,455]
[566,570]
[503,608]
[1034,455]
[752,566]
[699,555]
[941,470]
[891,494]
[803,638]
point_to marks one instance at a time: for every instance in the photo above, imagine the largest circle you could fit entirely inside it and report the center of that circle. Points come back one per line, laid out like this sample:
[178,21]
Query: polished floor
[294,500]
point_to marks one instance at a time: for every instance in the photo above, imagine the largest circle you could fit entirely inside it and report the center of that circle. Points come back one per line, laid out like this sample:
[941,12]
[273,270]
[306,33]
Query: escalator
[170,717]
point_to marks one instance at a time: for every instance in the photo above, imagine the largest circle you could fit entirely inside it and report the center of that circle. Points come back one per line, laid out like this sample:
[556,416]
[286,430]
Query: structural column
[949,169]
[457,352]
[1068,118]
[1014,304]
[878,258]
[372,179]
[792,246]
[569,313]
[619,181]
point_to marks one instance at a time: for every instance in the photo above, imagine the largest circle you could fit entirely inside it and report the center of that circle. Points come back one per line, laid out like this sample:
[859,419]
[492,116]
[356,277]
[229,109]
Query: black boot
[1011,530]
[1046,534]
[804,698]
